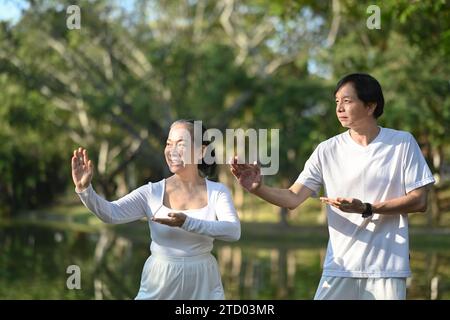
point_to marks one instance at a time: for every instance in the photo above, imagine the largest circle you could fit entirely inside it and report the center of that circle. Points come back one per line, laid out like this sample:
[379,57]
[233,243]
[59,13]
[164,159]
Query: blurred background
[116,84]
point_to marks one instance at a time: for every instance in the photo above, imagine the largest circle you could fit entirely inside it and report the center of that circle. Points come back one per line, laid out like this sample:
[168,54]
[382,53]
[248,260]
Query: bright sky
[11,9]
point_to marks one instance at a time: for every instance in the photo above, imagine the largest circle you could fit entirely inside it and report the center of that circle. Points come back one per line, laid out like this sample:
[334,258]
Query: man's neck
[364,135]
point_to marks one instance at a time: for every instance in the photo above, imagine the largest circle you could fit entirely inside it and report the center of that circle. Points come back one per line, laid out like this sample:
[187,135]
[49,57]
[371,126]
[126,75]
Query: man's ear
[371,108]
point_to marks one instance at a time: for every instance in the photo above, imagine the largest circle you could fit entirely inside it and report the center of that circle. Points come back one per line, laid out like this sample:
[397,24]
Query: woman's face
[179,151]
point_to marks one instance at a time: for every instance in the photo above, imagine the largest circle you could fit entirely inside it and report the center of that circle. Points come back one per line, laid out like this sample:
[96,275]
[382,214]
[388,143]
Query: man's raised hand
[248,175]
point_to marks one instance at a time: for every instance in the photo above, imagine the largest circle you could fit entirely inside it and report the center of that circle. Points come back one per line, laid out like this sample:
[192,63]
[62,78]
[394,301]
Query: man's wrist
[255,190]
[363,207]
[368,210]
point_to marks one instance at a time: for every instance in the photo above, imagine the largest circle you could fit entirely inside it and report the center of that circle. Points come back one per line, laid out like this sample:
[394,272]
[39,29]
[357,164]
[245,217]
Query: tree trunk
[284,217]
[284,212]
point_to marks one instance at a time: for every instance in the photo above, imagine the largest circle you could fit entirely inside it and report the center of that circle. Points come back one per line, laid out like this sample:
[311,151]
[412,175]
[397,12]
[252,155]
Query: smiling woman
[186,212]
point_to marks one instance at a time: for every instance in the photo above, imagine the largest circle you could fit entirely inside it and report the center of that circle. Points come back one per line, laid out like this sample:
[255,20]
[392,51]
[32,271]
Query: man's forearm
[406,204]
[280,197]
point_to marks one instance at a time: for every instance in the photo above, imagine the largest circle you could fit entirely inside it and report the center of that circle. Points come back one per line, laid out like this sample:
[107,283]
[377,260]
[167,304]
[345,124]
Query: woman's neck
[188,179]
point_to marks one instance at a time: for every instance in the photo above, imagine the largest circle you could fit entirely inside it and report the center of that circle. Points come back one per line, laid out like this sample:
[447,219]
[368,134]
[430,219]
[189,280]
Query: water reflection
[33,262]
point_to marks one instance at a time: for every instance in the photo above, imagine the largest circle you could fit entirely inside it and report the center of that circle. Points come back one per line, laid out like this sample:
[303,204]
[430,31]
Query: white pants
[339,288]
[181,278]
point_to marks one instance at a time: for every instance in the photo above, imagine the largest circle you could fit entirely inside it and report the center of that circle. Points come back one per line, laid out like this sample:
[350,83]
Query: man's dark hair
[367,88]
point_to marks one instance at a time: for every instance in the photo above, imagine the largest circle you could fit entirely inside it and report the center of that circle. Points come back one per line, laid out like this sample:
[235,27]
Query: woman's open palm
[82,169]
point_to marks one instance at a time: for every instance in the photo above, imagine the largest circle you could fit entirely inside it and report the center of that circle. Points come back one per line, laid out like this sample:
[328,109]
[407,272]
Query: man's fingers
[344,200]
[330,201]
[234,166]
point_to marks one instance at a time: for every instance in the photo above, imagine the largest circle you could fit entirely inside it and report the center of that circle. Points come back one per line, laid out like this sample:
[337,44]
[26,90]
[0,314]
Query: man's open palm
[248,175]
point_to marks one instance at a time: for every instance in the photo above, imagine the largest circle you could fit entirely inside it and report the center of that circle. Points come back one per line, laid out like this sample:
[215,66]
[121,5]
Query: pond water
[34,261]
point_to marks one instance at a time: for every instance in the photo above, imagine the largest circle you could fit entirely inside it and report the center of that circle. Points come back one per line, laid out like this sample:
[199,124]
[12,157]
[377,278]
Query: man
[372,178]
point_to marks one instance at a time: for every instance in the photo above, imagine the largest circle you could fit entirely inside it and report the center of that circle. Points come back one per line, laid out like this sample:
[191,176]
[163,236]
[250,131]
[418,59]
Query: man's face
[351,111]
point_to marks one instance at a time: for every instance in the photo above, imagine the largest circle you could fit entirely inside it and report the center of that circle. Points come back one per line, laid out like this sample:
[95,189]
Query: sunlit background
[116,84]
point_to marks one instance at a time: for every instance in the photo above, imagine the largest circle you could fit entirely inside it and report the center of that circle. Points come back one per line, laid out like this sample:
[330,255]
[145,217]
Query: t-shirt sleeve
[417,172]
[311,176]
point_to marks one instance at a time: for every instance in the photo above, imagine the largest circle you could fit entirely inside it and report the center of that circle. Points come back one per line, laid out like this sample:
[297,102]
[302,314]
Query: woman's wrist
[81,188]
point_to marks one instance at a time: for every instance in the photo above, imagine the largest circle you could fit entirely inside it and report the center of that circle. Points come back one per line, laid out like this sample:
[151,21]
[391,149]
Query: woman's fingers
[81,156]
[85,156]
[74,162]
[76,154]
[90,167]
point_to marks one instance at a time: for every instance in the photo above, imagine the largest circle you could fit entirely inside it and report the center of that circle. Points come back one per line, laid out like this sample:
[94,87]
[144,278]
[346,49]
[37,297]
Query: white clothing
[217,220]
[339,288]
[181,278]
[389,167]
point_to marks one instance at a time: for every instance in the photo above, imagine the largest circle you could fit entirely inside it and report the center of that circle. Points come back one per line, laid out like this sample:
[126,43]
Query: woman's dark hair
[206,170]
[367,88]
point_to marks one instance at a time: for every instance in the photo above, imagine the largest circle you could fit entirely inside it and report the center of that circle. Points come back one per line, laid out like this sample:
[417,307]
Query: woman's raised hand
[82,169]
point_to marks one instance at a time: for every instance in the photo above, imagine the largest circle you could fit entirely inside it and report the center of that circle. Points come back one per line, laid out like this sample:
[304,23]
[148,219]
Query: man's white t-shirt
[389,167]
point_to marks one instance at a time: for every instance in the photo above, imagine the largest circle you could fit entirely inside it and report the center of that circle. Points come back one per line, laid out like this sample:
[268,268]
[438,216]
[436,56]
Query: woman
[186,212]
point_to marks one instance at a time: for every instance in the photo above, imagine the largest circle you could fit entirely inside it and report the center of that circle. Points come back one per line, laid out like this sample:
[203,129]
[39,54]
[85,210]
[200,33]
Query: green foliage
[115,85]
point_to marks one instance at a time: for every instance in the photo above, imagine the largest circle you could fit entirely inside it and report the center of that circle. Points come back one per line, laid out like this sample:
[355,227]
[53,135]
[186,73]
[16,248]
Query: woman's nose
[173,151]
